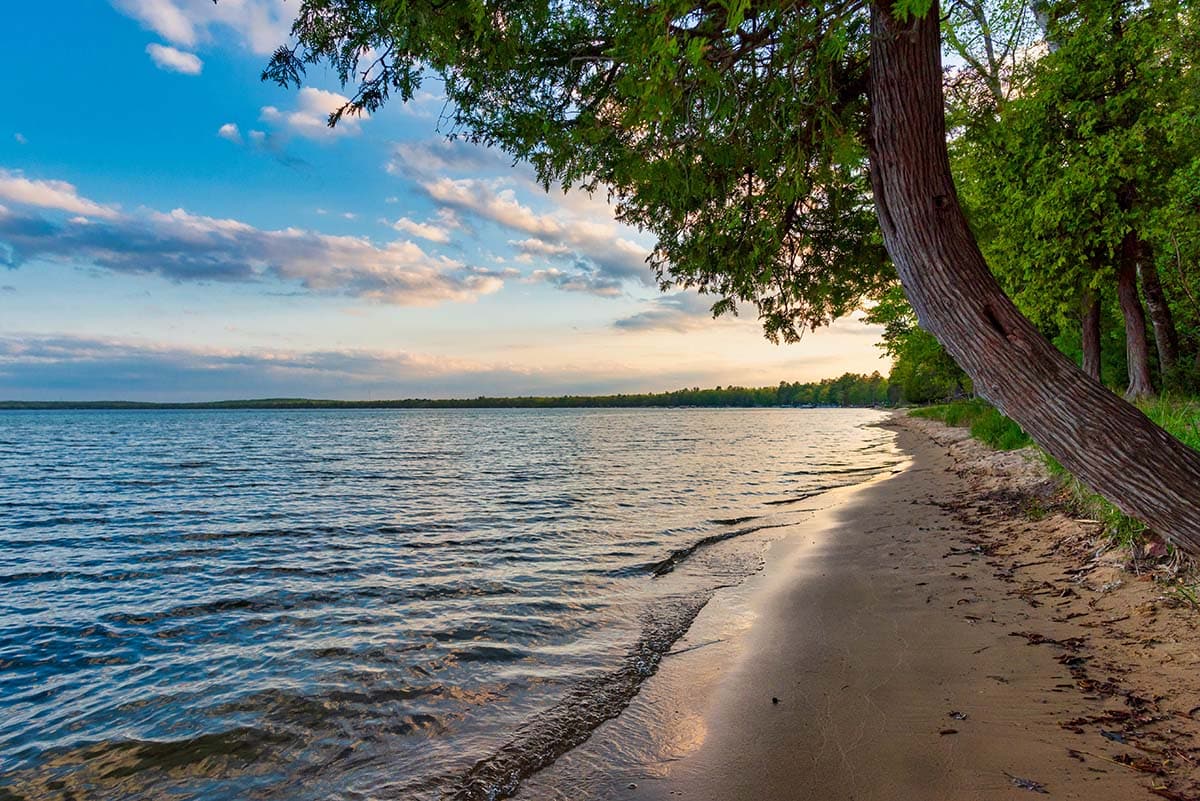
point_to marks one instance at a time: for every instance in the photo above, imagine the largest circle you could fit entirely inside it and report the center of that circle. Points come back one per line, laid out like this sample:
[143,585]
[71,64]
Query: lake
[364,604]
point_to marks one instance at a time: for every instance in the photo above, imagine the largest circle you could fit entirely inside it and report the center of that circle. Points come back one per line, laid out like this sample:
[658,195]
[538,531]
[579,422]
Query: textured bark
[1107,443]
[1091,335]
[1137,346]
[1166,336]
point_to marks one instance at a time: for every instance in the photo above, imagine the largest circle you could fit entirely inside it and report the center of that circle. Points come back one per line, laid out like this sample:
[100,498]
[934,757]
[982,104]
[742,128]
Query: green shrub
[996,430]
[986,424]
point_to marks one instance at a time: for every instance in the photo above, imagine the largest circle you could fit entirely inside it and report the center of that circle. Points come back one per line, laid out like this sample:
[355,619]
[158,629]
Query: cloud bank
[66,367]
[181,246]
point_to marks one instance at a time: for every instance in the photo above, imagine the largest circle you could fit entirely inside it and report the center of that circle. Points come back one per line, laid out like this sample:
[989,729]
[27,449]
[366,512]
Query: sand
[941,633]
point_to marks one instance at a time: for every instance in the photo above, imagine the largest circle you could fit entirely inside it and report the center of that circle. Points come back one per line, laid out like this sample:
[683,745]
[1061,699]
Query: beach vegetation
[1181,417]
[985,423]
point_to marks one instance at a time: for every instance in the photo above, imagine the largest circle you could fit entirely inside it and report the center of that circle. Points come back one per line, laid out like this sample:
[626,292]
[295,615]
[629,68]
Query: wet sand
[935,634]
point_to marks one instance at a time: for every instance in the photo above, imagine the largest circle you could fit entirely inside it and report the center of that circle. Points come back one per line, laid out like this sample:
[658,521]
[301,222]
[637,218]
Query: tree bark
[1137,346]
[1105,442]
[1166,336]
[1091,334]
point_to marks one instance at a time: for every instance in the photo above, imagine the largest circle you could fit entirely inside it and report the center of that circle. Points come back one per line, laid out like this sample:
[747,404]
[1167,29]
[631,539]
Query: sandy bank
[932,635]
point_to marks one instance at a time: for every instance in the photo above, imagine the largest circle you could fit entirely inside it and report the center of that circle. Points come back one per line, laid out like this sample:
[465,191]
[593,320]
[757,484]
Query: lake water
[366,604]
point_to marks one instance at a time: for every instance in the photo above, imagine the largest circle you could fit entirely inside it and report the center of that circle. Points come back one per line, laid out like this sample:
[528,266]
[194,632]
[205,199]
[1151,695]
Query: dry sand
[932,635]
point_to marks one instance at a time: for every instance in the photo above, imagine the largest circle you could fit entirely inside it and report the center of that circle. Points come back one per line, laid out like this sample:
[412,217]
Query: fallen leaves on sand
[1069,643]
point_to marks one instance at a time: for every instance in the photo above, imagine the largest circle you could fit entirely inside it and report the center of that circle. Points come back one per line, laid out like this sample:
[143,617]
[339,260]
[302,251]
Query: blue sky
[173,228]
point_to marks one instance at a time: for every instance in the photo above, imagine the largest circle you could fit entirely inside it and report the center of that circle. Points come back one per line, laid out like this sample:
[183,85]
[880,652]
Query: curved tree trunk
[1137,346]
[1105,442]
[1091,334]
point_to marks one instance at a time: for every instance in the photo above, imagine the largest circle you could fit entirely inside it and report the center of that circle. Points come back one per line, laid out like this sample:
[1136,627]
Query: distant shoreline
[847,390]
[565,402]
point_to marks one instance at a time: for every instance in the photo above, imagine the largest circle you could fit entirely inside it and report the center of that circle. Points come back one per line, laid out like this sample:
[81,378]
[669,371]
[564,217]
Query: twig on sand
[1027,784]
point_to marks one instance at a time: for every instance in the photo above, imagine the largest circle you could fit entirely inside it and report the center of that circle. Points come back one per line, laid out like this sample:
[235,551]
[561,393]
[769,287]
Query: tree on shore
[1067,177]
[752,139]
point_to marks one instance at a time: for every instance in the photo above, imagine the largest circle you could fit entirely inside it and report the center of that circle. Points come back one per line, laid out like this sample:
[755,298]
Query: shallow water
[365,604]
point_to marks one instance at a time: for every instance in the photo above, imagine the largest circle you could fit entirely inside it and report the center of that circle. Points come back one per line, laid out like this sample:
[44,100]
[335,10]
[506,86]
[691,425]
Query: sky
[173,228]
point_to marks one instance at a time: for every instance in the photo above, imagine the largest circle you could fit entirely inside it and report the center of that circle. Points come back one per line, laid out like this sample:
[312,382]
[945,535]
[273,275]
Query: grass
[1180,417]
[987,425]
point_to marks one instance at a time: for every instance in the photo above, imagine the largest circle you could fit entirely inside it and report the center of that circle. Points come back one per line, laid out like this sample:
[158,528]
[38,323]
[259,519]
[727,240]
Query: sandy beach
[944,632]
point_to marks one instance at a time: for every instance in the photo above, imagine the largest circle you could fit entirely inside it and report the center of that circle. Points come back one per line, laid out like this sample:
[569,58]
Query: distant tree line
[850,389]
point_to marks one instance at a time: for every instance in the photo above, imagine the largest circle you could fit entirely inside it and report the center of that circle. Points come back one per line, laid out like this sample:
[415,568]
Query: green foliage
[1119,529]
[733,131]
[996,430]
[1179,416]
[986,424]
[922,370]
[1087,147]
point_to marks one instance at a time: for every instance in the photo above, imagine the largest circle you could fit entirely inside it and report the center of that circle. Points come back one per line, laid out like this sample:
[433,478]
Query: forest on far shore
[850,389]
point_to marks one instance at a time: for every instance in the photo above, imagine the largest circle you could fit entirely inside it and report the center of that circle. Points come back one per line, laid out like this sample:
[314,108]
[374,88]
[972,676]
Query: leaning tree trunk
[1101,439]
[1091,334]
[1137,346]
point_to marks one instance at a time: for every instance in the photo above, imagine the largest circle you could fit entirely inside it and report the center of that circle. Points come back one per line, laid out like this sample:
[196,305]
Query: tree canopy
[752,140]
[731,130]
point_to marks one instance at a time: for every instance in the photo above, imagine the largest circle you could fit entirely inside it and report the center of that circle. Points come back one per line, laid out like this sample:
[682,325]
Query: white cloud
[487,200]
[429,158]
[310,118]
[259,25]
[20,138]
[163,17]
[598,254]
[169,58]
[257,137]
[58,195]
[536,247]
[681,311]
[230,131]
[577,280]
[433,233]
[182,246]
[436,230]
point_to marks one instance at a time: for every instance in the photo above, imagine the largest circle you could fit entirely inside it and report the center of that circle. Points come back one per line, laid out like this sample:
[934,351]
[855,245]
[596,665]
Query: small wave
[803,497]
[733,521]
[277,602]
[840,470]
[665,566]
[588,704]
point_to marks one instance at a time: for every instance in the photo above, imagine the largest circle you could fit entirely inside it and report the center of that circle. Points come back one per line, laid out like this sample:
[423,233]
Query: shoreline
[939,633]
